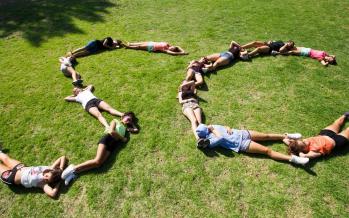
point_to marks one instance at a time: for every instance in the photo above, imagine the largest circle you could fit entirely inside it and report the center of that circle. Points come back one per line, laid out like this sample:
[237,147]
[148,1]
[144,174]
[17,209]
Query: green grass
[160,173]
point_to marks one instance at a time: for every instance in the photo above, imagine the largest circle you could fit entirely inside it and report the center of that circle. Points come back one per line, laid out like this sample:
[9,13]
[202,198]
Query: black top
[100,42]
[276,45]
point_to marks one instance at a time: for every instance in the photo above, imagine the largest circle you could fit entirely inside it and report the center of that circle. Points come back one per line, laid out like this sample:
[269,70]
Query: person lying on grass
[246,141]
[324,58]
[216,60]
[95,46]
[92,104]
[190,105]
[269,47]
[106,145]
[329,139]
[163,47]
[68,71]
[195,71]
[13,172]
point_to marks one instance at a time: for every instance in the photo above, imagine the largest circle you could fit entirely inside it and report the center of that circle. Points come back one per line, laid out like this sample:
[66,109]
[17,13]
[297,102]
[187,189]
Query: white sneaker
[299,160]
[69,170]
[294,135]
[69,178]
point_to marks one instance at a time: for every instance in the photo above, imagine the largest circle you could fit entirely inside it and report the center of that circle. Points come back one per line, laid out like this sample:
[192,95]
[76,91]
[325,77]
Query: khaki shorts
[191,104]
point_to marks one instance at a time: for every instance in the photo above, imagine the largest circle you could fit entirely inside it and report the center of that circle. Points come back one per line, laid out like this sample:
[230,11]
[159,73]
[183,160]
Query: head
[52,176]
[204,60]
[244,55]
[296,146]
[129,119]
[76,91]
[202,131]
[290,44]
[174,48]
[331,59]
[116,43]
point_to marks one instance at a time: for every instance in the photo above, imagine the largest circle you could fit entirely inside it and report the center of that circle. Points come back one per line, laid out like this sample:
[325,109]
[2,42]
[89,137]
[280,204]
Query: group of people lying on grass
[108,43]
[245,140]
[13,172]
[48,178]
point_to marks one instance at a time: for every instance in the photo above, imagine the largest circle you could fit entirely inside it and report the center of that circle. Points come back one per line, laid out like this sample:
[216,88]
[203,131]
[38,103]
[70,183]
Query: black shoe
[202,143]
[78,83]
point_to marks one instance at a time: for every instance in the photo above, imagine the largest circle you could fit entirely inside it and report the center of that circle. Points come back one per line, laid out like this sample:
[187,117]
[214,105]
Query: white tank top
[32,176]
[84,97]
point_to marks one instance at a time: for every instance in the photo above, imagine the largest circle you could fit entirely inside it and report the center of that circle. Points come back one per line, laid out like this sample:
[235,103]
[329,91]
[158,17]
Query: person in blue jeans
[246,141]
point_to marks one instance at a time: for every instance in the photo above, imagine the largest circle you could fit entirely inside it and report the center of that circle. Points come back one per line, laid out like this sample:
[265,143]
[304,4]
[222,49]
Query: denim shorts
[92,46]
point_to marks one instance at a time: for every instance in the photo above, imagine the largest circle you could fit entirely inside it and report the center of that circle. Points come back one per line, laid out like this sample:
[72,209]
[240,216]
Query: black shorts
[275,46]
[8,176]
[109,142]
[92,103]
[340,141]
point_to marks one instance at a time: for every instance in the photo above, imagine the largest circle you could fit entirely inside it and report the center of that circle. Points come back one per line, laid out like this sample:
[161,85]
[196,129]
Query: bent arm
[283,49]
[90,88]
[324,63]
[51,192]
[234,43]
[59,163]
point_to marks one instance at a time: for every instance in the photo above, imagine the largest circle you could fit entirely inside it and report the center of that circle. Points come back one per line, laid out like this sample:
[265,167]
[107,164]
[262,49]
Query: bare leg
[3,168]
[189,113]
[337,124]
[260,50]
[213,57]
[105,106]
[73,73]
[80,54]
[138,45]
[190,75]
[260,149]
[199,79]
[96,113]
[345,133]
[101,156]
[7,161]
[198,113]
[219,62]
[258,136]
[253,44]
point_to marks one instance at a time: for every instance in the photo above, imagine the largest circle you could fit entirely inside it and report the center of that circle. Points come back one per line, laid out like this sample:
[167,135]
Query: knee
[268,151]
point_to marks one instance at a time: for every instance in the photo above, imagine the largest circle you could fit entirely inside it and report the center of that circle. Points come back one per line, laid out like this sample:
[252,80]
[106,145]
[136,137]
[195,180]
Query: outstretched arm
[70,98]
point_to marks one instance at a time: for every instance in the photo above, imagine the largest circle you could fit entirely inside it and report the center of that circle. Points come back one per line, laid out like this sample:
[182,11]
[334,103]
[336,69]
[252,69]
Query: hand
[301,154]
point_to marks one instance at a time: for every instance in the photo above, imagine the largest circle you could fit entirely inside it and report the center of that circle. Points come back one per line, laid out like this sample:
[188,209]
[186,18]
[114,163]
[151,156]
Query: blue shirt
[230,141]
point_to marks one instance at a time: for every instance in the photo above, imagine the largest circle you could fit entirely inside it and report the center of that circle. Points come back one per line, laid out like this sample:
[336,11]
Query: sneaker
[294,135]
[299,160]
[69,170]
[202,143]
[274,53]
[346,114]
[71,177]
[78,83]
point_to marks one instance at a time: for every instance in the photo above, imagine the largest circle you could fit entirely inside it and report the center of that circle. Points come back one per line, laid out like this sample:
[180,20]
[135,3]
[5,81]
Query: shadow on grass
[216,152]
[42,19]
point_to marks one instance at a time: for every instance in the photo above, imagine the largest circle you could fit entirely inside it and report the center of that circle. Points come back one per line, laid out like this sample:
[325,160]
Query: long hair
[56,175]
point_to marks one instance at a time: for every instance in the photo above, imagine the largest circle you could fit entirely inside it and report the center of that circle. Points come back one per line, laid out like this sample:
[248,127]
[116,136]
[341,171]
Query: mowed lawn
[160,172]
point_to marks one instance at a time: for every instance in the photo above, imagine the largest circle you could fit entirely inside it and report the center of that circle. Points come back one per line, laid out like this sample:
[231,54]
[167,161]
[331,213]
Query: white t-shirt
[32,176]
[84,97]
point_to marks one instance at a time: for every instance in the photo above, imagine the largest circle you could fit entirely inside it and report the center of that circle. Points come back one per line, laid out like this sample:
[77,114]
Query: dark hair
[292,43]
[131,127]
[334,62]
[175,49]
[56,175]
